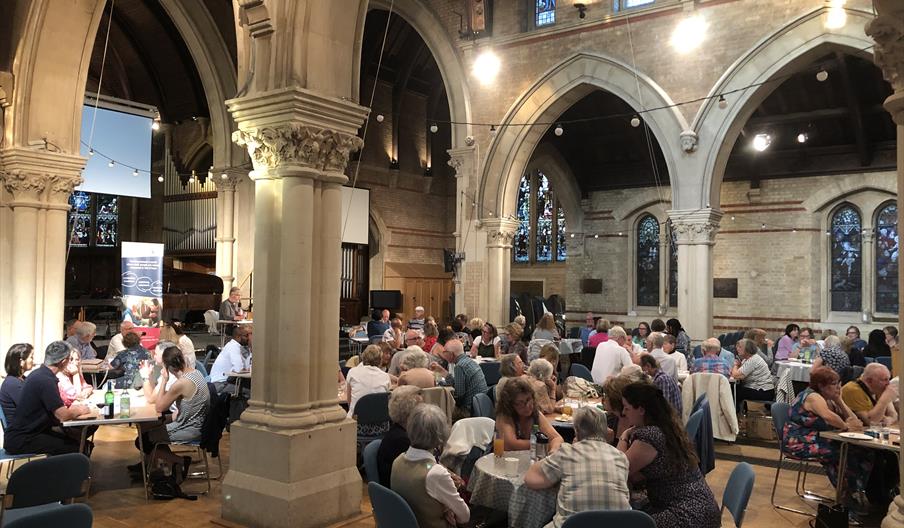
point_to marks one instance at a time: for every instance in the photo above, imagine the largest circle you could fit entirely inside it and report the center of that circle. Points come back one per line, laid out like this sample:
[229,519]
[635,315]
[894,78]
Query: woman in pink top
[786,343]
[72,384]
[601,335]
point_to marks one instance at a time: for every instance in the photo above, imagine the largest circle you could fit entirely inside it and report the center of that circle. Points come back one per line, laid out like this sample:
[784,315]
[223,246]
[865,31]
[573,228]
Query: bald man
[871,397]
[116,346]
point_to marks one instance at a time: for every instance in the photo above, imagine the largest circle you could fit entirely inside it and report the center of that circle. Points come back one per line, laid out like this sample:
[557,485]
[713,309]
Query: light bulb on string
[111,163]
[763,226]
[91,152]
[224,176]
[822,75]
[160,178]
[379,118]
[492,130]
[155,125]
[434,128]
[559,130]
[135,172]
[635,121]
[723,104]
[596,236]
[801,138]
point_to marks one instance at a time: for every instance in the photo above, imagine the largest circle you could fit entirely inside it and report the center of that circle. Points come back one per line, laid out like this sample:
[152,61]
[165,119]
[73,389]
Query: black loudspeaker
[388,299]
[448,261]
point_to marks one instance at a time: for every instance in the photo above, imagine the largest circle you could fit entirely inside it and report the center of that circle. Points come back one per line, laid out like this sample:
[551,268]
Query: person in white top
[667,363]
[235,357]
[172,332]
[366,378]
[611,356]
[428,429]
[668,346]
[394,334]
[116,346]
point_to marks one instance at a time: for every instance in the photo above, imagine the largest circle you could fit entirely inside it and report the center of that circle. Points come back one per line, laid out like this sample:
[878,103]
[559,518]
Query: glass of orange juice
[567,410]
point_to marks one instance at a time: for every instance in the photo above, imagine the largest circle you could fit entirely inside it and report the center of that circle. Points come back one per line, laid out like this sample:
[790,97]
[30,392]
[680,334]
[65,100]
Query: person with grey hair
[712,362]
[611,355]
[41,409]
[539,375]
[366,378]
[831,355]
[231,307]
[116,346]
[413,367]
[667,363]
[510,366]
[755,381]
[402,402]
[81,340]
[468,379]
[429,488]
[590,473]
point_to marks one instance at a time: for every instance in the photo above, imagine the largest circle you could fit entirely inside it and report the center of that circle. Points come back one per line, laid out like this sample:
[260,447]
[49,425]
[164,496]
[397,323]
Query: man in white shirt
[666,362]
[235,357]
[394,335]
[116,346]
[611,356]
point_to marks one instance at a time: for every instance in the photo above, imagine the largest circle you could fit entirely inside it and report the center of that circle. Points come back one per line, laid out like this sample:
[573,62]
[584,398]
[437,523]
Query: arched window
[648,261]
[540,236]
[887,259]
[93,220]
[845,260]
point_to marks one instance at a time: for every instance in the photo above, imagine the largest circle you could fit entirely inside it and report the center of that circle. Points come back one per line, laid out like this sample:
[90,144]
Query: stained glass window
[80,219]
[545,13]
[93,220]
[522,234]
[648,261]
[544,219]
[628,4]
[846,280]
[887,259]
[560,235]
[673,266]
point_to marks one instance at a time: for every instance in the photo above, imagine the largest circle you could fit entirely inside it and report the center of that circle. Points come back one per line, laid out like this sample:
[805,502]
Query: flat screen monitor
[390,299]
[120,131]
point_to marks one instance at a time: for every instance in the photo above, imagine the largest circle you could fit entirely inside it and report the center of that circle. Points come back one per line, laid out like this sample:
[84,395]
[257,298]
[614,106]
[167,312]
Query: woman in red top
[430,334]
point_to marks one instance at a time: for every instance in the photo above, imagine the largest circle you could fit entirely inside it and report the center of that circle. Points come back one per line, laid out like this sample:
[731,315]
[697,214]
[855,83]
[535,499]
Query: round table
[799,371]
[491,487]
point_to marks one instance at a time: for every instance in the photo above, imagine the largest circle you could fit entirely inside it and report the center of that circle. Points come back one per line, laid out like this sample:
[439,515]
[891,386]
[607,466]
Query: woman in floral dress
[820,408]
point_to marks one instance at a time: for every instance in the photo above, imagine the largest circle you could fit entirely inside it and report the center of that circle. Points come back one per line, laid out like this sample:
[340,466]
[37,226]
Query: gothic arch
[549,160]
[428,26]
[840,190]
[555,92]
[638,202]
[797,42]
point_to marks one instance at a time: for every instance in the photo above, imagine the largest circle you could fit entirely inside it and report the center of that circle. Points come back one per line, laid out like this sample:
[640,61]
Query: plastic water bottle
[124,403]
[533,442]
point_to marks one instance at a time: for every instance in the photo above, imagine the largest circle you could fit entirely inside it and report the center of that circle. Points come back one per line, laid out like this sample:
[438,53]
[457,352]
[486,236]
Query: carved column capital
[695,226]
[463,160]
[227,179]
[60,186]
[22,185]
[887,29]
[500,231]
[312,147]
[40,176]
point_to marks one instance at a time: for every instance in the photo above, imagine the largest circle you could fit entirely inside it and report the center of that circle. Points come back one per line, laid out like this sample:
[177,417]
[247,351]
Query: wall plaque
[725,288]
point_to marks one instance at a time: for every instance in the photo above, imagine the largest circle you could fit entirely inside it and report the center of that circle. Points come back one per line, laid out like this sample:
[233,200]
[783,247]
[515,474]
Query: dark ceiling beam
[398,90]
[128,33]
[812,115]
[856,116]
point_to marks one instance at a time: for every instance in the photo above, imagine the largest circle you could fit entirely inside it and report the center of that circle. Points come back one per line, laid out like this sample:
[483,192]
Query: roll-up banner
[142,283]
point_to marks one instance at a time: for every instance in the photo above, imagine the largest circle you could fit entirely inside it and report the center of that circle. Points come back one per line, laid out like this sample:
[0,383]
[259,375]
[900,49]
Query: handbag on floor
[830,516]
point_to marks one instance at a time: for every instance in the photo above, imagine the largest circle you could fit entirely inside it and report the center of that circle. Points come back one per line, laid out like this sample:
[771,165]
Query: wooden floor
[119,502]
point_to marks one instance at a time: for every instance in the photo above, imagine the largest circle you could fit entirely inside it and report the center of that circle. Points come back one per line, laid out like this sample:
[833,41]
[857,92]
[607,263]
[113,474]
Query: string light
[559,130]
[135,172]
[801,138]
[160,178]
[91,152]
[822,75]
[635,121]
[723,104]
[492,130]
[379,118]
[111,163]
[434,128]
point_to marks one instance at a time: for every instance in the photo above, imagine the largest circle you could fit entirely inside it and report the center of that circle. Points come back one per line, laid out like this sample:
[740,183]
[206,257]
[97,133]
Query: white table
[491,487]
[799,371]
[243,375]
[140,411]
[895,436]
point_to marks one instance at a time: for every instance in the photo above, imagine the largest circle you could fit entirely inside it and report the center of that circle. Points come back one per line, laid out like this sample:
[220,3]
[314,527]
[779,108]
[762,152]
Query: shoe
[854,520]
[859,503]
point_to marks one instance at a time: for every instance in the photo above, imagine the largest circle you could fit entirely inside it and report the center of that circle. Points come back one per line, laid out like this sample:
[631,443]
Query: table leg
[144,469]
[83,441]
[842,464]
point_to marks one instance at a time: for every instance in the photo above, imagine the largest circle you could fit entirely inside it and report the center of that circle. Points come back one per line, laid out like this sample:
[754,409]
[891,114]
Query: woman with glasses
[517,414]
[487,344]
[857,343]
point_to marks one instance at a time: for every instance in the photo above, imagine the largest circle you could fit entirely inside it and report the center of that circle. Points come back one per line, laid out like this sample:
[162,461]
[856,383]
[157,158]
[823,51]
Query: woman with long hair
[876,345]
[660,453]
[71,382]
[173,333]
[640,334]
[786,343]
[516,415]
[546,328]
[682,340]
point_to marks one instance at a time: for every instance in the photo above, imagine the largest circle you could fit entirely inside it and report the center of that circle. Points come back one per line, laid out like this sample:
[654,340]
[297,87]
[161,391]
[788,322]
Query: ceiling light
[689,34]
[596,236]
[723,104]
[379,118]
[224,176]
[822,75]
[559,130]
[486,66]
[492,130]
[761,142]
[91,152]
[434,128]
[155,125]
[801,138]
[836,18]
[160,179]
[135,172]
[635,121]
[111,163]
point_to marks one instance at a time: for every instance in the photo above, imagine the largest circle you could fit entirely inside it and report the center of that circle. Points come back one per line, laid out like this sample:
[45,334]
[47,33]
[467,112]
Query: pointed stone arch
[555,92]
[797,42]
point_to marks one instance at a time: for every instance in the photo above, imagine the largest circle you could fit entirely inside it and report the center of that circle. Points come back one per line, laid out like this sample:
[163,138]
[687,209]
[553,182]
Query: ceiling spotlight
[111,163]
[434,128]
[761,142]
[689,34]
[822,75]
[486,66]
[763,226]
[135,172]
[559,130]
[160,178]
[723,104]
[801,138]
[619,233]
[380,118]
[635,121]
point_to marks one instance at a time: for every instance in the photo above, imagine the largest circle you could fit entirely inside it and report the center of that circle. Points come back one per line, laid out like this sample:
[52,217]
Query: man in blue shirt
[81,340]
[378,327]
[466,377]
[40,409]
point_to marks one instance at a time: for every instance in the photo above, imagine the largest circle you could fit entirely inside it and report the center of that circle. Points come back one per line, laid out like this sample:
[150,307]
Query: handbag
[830,516]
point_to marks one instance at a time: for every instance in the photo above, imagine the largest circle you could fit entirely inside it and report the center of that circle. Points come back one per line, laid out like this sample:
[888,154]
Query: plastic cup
[511,466]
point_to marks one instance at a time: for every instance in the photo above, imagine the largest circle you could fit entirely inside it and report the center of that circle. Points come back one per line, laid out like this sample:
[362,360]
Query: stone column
[887,29]
[38,183]
[867,273]
[663,269]
[500,232]
[464,161]
[225,181]
[695,231]
[293,461]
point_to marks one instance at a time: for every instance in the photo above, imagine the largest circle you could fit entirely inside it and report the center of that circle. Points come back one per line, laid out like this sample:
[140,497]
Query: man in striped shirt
[666,383]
